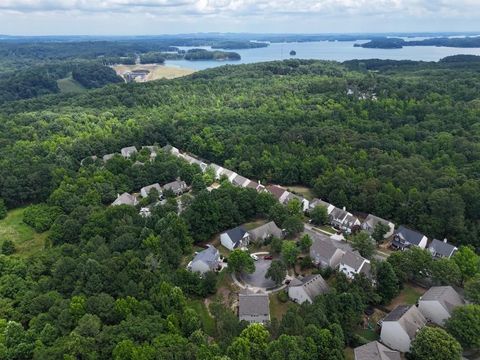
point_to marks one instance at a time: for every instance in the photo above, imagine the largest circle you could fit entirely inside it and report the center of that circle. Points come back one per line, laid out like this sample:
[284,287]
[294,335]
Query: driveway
[257,279]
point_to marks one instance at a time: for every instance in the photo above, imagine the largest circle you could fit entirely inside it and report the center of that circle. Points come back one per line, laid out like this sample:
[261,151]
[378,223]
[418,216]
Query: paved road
[257,279]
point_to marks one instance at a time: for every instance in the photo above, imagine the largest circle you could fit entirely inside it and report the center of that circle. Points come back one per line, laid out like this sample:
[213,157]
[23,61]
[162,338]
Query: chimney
[445,240]
[344,208]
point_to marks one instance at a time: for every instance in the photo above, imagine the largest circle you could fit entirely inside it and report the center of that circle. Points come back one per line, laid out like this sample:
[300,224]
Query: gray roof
[354,260]
[239,180]
[445,295]
[236,234]
[373,220]
[108,157]
[227,172]
[409,318]
[209,256]
[313,285]
[175,186]
[268,229]
[324,247]
[338,213]
[150,187]
[253,304]
[442,248]
[318,202]
[127,151]
[412,236]
[125,199]
[375,351]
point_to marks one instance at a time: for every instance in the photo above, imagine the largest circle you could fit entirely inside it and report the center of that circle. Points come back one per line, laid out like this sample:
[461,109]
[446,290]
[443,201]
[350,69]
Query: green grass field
[26,240]
[68,85]
[302,190]
[207,321]
[408,296]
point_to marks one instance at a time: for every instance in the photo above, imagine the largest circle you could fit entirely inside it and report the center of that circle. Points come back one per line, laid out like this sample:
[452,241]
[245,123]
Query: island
[397,43]
[202,54]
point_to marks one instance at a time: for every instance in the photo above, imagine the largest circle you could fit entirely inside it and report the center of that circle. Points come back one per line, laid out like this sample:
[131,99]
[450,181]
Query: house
[89,159]
[352,263]
[254,307]
[438,303]
[265,231]
[375,351]
[178,187]
[127,152]
[153,150]
[304,202]
[405,238]
[307,288]
[206,260]
[441,249]
[125,199]
[317,202]
[241,181]
[235,238]
[278,192]
[191,160]
[229,174]
[324,253]
[107,157]
[372,221]
[169,149]
[146,190]
[343,220]
[217,169]
[400,327]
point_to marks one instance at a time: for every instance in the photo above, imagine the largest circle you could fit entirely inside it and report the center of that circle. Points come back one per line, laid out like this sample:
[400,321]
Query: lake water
[328,50]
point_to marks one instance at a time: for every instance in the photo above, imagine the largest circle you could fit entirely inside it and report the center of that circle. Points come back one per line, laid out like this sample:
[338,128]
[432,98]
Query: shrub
[41,216]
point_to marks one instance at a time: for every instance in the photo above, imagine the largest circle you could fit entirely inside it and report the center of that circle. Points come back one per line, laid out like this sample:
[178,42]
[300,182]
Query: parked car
[268,257]
[254,257]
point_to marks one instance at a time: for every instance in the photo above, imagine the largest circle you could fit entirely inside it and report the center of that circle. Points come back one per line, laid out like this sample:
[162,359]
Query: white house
[217,169]
[324,253]
[304,202]
[438,303]
[254,307]
[240,181]
[441,249]
[343,220]
[400,327]
[235,238]
[146,189]
[229,174]
[206,260]
[405,238]
[318,202]
[372,221]
[307,288]
[375,351]
[128,151]
[177,187]
[125,199]
[352,264]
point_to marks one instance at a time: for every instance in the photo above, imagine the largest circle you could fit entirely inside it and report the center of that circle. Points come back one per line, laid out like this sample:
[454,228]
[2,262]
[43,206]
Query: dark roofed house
[441,249]
[278,192]
[235,238]
[438,303]
[178,187]
[307,288]
[254,307]
[263,232]
[375,351]
[400,327]
[405,238]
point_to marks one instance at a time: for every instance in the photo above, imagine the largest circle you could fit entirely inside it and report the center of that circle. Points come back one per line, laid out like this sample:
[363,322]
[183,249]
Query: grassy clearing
[327,229]
[207,321]
[306,192]
[408,296]
[277,308]
[68,85]
[348,352]
[26,240]
[368,334]
[254,224]
[155,71]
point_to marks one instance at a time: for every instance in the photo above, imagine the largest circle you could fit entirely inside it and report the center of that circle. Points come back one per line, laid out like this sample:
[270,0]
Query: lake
[327,50]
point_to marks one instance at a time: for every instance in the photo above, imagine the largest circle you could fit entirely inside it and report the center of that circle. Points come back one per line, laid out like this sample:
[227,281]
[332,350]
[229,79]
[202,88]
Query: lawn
[368,334]
[327,229]
[348,352]
[302,190]
[277,308]
[408,296]
[68,85]
[208,322]
[26,240]
[254,224]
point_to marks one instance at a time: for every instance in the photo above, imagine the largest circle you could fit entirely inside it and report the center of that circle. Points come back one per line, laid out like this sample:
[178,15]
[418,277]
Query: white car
[254,257]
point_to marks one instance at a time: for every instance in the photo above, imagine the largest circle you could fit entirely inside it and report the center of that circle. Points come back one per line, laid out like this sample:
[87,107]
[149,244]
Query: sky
[155,17]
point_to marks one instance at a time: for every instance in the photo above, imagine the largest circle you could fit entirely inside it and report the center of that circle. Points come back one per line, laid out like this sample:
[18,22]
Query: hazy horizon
[166,17]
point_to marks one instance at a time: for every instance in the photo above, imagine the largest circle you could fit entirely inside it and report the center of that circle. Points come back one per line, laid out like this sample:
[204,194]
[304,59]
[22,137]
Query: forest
[396,43]
[397,139]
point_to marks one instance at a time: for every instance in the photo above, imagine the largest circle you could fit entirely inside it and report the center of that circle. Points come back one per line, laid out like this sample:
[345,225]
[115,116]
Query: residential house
[278,192]
[263,232]
[307,288]
[343,220]
[375,351]
[206,260]
[191,160]
[178,187]
[405,238]
[217,169]
[125,199]
[240,181]
[169,149]
[304,202]
[229,174]
[372,221]
[441,249]
[153,150]
[146,190]
[317,202]
[127,152]
[235,238]
[400,327]
[89,160]
[438,303]
[352,264]
[254,307]
[107,157]
[324,253]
